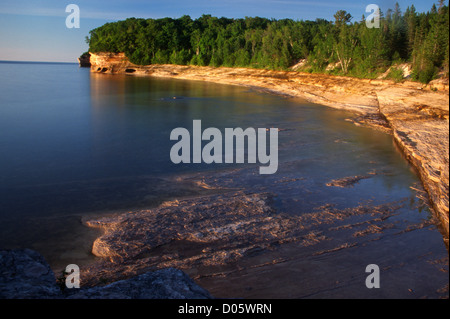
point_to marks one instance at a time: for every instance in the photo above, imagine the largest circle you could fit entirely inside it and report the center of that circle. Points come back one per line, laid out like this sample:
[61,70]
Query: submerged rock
[347,181]
[213,233]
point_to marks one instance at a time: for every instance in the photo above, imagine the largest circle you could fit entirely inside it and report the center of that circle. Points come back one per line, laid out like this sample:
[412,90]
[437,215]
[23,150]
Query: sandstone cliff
[415,114]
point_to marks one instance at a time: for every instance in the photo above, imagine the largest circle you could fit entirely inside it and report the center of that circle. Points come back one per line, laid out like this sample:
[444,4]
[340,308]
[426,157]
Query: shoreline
[415,114]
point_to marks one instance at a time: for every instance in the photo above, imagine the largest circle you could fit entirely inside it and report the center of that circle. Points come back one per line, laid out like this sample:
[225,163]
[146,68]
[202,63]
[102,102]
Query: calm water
[74,143]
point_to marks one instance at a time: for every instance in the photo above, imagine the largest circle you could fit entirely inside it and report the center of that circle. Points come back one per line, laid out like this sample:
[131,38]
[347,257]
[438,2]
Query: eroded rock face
[420,126]
[105,62]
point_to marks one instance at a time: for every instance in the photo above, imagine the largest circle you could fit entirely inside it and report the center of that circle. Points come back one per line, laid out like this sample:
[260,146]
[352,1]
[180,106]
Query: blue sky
[35,30]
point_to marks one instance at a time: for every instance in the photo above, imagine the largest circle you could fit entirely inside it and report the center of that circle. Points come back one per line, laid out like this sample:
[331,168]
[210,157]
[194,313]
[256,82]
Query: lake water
[74,143]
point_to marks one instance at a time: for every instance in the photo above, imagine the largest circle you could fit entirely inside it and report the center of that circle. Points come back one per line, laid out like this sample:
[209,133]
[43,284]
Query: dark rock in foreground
[26,275]
[168,283]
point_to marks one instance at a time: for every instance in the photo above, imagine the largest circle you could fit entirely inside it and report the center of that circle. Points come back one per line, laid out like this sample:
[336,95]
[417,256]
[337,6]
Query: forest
[418,38]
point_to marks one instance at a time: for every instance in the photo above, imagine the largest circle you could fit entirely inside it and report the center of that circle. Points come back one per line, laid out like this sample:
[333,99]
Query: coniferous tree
[419,38]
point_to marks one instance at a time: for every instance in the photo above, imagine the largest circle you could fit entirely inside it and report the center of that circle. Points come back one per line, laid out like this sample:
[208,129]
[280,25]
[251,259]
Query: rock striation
[26,275]
[415,114]
[420,125]
[237,244]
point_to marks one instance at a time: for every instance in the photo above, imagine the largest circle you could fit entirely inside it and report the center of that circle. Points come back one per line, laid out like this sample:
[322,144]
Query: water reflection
[133,118]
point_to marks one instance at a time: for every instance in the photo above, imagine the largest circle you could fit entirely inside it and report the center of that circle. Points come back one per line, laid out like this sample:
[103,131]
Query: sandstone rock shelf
[237,244]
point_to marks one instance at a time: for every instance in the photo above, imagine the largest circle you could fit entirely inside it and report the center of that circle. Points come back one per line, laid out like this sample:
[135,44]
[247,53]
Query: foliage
[418,38]
[396,74]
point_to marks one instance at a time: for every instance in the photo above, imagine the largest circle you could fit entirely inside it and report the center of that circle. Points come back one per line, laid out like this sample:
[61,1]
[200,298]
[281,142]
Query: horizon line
[27,61]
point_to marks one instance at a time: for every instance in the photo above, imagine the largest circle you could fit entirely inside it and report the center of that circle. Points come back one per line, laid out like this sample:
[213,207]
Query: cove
[302,232]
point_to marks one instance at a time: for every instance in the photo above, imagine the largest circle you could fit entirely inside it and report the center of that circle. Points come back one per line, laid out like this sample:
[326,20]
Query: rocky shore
[233,241]
[415,114]
[237,244]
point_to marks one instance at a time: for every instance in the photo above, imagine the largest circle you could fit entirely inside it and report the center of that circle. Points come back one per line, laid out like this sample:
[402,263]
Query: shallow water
[75,144]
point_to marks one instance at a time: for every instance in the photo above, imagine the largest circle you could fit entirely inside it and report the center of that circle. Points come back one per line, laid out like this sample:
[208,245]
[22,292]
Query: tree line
[421,39]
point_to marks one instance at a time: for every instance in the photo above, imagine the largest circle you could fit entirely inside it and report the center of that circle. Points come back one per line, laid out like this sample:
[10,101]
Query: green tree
[420,38]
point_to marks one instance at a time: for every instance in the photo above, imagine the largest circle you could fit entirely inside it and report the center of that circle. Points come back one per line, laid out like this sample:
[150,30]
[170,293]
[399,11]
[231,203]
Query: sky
[35,30]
